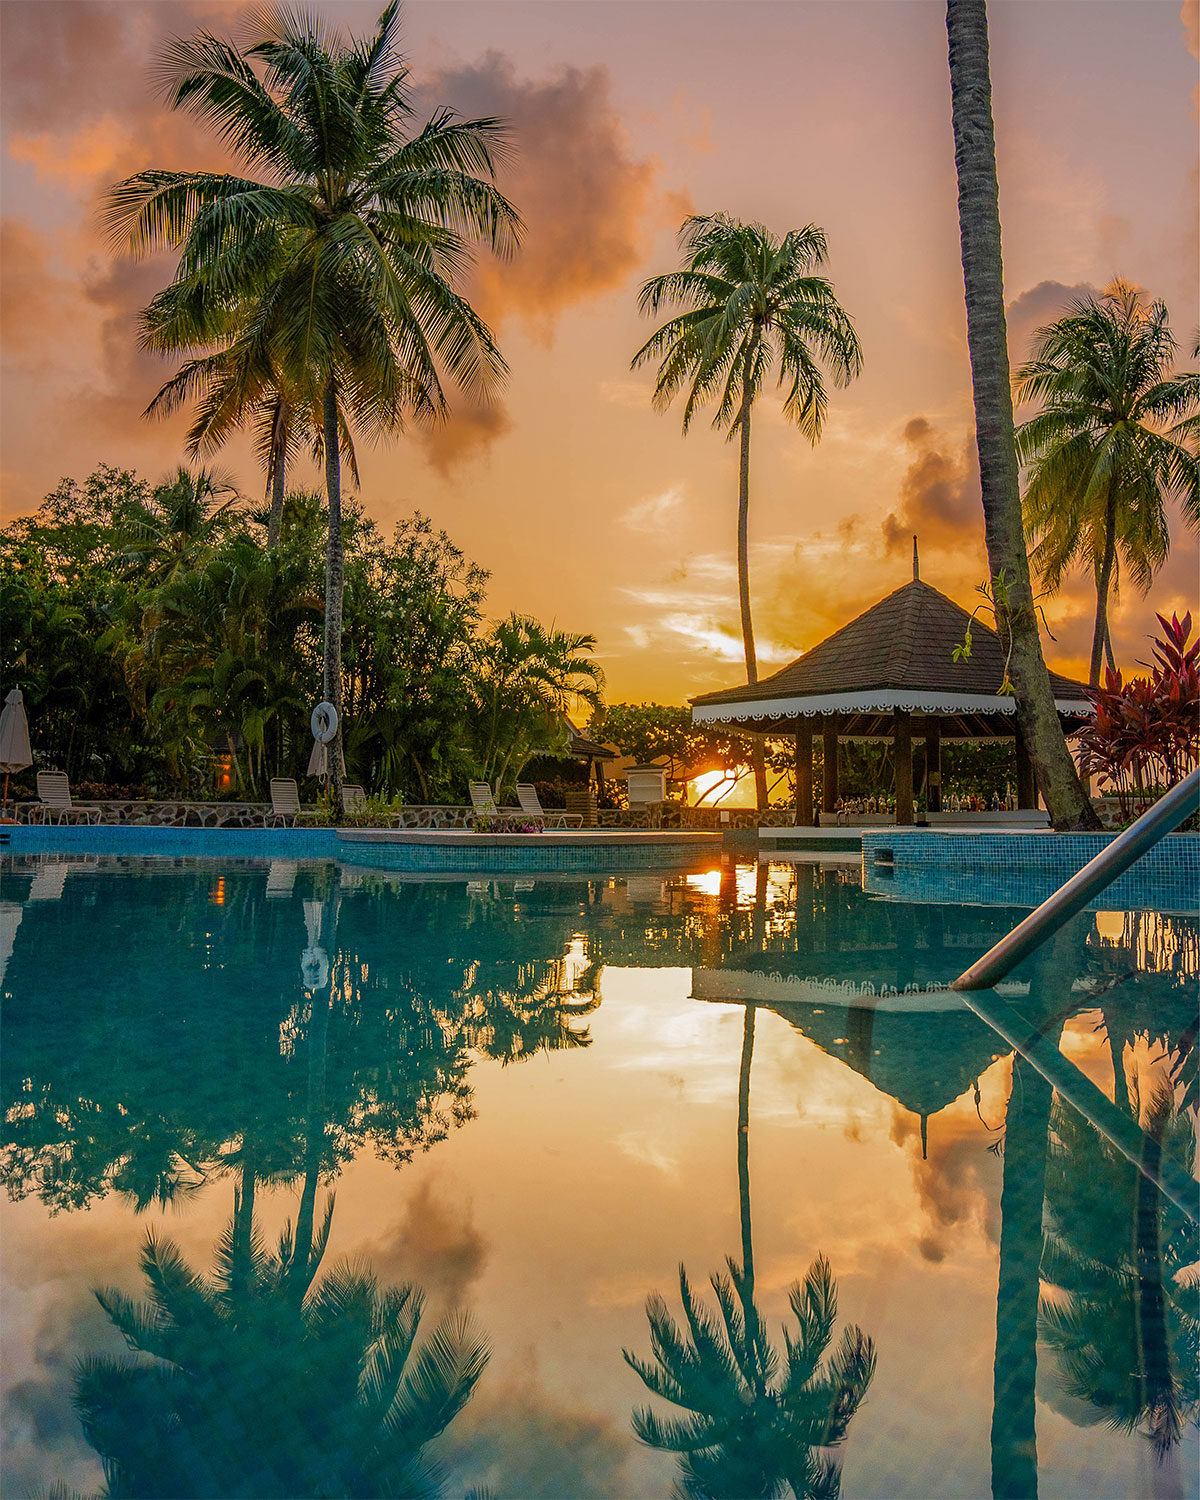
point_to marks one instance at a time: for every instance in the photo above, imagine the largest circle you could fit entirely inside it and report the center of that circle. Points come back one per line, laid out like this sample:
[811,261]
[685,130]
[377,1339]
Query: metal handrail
[1097,875]
[1070,1083]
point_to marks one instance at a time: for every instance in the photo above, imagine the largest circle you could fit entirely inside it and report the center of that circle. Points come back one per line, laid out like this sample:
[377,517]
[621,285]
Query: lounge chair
[482,800]
[54,797]
[531,805]
[285,803]
[353,796]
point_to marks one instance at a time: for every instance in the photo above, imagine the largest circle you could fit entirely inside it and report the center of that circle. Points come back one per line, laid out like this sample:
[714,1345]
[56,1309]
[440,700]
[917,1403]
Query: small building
[892,674]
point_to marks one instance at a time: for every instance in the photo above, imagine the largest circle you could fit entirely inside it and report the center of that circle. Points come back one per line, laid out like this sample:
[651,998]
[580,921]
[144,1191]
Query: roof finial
[916,563]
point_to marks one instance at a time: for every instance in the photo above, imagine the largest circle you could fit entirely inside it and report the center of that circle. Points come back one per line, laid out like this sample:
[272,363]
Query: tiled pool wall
[324,843]
[995,869]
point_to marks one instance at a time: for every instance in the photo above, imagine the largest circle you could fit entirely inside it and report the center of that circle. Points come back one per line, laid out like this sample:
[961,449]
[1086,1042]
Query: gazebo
[891,674]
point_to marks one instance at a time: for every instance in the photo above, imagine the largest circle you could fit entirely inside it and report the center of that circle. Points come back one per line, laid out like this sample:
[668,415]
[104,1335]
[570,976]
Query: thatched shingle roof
[905,643]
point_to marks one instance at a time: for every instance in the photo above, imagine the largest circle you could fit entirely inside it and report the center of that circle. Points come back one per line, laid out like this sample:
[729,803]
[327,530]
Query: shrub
[1144,735]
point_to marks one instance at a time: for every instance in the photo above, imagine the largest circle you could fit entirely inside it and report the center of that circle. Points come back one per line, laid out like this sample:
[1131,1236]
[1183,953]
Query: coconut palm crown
[1102,461]
[327,271]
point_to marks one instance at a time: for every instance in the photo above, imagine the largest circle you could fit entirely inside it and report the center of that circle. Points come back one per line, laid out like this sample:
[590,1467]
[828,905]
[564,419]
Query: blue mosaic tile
[323,843]
[1023,869]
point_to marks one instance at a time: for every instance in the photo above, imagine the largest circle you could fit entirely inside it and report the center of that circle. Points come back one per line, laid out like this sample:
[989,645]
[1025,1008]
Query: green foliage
[654,732]
[150,631]
[757,1419]
[1112,443]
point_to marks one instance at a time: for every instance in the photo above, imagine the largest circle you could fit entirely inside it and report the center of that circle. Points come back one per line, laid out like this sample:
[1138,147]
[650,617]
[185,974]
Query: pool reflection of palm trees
[760,1422]
[261,1379]
[1121,1301]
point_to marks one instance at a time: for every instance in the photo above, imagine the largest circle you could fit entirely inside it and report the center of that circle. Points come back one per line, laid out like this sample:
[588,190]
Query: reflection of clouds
[434,1244]
[517,1440]
[958,1186]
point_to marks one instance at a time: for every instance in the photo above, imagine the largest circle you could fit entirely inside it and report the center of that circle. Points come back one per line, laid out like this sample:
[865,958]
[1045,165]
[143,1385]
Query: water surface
[535,1101]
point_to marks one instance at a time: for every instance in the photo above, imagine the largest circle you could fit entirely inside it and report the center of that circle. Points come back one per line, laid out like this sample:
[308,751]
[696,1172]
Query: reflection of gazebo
[891,674]
[924,1050]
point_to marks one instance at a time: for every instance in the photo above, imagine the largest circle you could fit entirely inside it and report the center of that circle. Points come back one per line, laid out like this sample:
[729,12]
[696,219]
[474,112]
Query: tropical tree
[528,676]
[987,343]
[1102,463]
[183,516]
[752,304]
[336,263]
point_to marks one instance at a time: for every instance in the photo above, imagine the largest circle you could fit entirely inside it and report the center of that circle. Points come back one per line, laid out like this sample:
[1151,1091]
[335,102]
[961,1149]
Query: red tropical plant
[1145,734]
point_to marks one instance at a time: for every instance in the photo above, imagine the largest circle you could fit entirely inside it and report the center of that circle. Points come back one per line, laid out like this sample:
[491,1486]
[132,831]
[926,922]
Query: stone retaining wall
[663,815]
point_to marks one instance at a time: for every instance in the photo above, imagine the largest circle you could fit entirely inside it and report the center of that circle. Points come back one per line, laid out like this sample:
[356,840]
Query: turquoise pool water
[399,1161]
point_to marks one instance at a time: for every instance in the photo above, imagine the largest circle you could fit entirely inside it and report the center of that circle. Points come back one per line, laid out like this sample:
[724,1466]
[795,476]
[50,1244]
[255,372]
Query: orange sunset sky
[587,507]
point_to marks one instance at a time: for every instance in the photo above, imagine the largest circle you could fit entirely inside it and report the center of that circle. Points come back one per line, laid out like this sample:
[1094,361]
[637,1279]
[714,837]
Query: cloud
[939,495]
[1041,304]
[1189,15]
[589,203]
[656,512]
[32,293]
[434,1245]
[468,433]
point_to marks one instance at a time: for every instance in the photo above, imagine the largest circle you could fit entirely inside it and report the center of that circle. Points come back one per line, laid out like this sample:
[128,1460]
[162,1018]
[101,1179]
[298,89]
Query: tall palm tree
[987,342]
[1102,461]
[751,303]
[335,258]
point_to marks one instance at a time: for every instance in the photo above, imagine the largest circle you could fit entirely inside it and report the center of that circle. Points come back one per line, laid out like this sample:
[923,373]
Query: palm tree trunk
[1014,1430]
[743,1162]
[987,341]
[335,575]
[1103,584]
[743,558]
[278,475]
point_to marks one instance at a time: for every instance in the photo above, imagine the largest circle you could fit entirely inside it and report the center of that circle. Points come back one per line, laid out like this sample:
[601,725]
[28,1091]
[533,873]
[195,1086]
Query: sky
[588,508]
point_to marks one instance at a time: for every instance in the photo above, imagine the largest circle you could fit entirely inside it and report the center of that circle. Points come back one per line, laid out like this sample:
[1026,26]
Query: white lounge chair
[54,800]
[353,796]
[482,800]
[531,804]
[285,803]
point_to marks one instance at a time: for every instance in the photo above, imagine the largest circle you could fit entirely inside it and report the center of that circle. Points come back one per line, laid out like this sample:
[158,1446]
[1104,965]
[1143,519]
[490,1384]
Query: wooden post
[933,766]
[1027,797]
[829,779]
[804,775]
[902,745]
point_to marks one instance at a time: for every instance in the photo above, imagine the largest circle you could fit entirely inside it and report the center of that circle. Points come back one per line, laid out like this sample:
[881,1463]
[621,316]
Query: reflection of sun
[712,782]
[708,884]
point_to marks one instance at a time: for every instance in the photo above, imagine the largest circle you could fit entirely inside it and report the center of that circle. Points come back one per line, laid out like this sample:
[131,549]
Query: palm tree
[751,302]
[182,519]
[528,677]
[241,1388]
[756,1416]
[987,342]
[334,259]
[1102,462]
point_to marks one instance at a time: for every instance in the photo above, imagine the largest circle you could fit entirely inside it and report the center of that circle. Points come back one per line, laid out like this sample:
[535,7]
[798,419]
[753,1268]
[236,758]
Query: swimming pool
[535,1099]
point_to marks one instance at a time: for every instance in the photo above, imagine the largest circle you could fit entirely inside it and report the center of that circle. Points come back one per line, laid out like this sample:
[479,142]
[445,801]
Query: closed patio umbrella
[15,753]
[318,761]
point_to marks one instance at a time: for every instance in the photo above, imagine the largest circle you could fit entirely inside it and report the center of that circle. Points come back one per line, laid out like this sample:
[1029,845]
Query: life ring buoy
[324,723]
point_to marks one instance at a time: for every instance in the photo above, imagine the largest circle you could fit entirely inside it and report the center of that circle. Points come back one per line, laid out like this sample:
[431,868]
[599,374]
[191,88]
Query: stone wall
[662,815]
